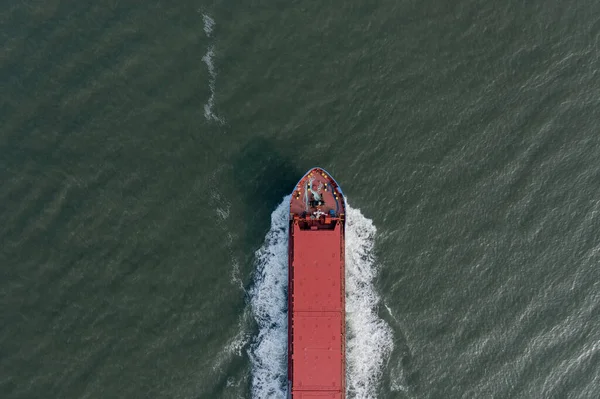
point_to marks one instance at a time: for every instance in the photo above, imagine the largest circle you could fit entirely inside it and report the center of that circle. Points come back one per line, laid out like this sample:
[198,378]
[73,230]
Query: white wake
[369,338]
[209,25]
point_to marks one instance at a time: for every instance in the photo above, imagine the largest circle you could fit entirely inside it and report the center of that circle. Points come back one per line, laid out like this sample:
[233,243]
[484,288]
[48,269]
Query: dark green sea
[147,149]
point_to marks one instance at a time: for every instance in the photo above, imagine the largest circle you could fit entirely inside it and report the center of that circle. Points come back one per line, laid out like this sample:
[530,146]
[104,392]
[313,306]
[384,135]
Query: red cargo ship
[316,296]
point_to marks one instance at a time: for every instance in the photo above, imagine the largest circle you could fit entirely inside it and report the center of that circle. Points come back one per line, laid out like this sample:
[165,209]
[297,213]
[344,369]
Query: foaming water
[268,300]
[209,24]
[369,342]
[222,207]
[369,339]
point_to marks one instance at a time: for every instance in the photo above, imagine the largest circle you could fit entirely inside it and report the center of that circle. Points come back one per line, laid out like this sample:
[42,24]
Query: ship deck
[316,346]
[317,201]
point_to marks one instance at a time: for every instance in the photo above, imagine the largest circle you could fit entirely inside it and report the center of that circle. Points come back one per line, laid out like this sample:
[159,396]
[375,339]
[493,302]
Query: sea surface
[147,150]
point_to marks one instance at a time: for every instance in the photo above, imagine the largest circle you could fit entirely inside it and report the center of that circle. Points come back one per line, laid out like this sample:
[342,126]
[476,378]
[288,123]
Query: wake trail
[369,340]
[209,25]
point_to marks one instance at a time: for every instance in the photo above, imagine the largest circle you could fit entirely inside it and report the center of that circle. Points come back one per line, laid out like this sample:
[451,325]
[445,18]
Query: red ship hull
[316,295]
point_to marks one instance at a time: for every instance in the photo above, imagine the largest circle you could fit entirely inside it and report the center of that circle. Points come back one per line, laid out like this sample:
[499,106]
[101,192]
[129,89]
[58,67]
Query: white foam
[235,270]
[241,339]
[209,24]
[234,346]
[212,83]
[222,209]
[369,339]
[268,300]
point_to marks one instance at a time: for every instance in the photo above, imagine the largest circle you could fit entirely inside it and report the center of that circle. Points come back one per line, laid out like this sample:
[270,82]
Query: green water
[131,205]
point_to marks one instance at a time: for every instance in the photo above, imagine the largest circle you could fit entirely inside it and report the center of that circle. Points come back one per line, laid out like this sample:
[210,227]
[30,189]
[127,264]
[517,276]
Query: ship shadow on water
[262,176]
